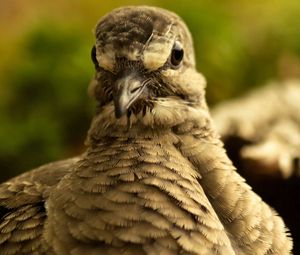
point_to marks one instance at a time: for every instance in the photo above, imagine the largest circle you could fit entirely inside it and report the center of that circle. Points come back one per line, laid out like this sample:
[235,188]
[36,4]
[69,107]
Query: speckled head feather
[133,51]
[140,33]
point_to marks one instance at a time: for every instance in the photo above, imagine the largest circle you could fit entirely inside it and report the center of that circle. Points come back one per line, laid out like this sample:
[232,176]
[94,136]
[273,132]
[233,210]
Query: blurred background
[45,65]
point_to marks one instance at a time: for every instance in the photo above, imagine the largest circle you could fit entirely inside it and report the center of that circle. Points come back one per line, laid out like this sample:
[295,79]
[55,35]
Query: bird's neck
[194,141]
[194,137]
[167,115]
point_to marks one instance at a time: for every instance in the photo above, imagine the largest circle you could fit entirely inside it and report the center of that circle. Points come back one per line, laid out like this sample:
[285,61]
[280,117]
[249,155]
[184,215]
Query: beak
[127,91]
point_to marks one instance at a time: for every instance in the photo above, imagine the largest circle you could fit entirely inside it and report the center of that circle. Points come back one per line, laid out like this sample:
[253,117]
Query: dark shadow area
[282,194]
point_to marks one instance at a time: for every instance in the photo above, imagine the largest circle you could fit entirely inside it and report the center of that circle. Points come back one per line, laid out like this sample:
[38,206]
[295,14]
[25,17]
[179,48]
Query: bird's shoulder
[22,208]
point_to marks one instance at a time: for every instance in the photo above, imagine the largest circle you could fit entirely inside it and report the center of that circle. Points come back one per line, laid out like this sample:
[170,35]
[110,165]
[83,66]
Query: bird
[154,178]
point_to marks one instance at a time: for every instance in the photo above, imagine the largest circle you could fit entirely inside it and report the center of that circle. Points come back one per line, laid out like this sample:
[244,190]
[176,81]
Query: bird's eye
[94,59]
[176,55]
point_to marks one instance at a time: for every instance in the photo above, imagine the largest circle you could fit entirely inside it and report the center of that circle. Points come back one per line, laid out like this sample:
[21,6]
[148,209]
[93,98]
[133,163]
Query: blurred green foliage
[46,113]
[45,64]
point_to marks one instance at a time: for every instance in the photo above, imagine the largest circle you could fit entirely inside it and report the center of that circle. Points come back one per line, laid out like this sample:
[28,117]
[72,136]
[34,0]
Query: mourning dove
[154,178]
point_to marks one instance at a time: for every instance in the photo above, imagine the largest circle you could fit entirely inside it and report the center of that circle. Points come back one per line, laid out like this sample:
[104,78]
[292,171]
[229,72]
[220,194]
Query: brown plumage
[155,178]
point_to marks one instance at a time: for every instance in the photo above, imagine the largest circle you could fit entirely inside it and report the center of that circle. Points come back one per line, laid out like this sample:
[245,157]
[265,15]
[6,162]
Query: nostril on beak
[132,91]
[134,86]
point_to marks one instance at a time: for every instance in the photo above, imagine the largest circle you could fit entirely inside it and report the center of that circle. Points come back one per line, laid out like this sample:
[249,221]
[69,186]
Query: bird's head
[145,68]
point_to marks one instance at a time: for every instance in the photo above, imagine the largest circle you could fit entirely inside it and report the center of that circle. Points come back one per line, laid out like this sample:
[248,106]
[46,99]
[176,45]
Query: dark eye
[94,59]
[176,55]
